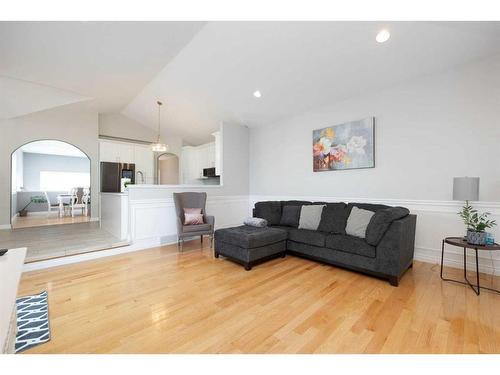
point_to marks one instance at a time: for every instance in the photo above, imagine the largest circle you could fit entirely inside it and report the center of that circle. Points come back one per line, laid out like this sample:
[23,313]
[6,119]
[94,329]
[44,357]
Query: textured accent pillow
[193,216]
[290,216]
[381,221]
[334,218]
[310,216]
[255,222]
[358,221]
[270,210]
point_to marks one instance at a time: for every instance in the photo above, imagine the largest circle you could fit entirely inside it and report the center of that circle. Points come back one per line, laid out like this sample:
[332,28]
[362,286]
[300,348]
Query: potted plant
[33,199]
[476,224]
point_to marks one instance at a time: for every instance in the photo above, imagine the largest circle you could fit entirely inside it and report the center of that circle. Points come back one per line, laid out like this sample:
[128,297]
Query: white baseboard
[5,226]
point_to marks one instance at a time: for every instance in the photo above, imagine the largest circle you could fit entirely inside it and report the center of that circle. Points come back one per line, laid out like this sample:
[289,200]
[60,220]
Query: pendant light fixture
[158,146]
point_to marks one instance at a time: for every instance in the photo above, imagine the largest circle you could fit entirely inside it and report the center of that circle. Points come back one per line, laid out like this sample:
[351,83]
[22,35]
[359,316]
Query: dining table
[61,198]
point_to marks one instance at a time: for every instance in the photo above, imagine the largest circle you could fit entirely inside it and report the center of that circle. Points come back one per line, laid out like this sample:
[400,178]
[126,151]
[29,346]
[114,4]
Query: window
[63,181]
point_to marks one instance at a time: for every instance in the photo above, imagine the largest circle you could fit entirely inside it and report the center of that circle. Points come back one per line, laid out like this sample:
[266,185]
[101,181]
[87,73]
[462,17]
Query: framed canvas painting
[346,146]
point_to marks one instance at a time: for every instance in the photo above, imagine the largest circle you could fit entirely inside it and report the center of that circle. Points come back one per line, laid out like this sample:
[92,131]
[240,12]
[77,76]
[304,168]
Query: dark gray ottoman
[248,245]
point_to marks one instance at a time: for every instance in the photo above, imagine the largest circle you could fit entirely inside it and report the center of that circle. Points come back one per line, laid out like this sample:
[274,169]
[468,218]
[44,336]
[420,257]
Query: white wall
[75,124]
[36,163]
[427,132]
[118,125]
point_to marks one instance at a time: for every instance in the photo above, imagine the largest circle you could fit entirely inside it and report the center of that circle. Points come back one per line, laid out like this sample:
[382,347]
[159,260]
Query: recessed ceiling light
[383,36]
[257,94]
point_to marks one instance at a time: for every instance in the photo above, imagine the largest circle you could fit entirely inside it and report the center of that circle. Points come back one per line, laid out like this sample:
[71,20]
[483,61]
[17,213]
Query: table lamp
[466,189]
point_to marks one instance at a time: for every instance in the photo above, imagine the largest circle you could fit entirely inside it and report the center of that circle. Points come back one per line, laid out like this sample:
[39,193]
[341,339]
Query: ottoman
[249,246]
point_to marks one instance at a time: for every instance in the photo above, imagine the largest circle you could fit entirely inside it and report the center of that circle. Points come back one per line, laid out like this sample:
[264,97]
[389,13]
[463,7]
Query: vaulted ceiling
[105,63]
[206,72]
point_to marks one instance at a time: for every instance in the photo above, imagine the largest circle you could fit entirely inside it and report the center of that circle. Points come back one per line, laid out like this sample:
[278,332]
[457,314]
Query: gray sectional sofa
[386,251]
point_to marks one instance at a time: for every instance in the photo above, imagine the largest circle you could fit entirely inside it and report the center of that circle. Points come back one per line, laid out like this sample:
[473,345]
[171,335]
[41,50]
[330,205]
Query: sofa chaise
[385,252]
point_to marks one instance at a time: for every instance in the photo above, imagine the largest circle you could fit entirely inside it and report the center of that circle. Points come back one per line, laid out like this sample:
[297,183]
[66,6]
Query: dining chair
[51,206]
[79,201]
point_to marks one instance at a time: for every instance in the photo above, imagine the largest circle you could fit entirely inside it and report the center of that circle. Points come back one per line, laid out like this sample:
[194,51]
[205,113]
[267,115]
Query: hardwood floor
[160,301]
[44,220]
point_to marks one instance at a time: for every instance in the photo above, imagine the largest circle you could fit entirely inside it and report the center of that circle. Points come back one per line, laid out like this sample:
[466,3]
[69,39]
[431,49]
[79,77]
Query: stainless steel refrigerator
[112,174]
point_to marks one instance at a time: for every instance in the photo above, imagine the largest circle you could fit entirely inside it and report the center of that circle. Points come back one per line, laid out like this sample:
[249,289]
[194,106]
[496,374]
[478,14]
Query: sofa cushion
[290,216]
[350,244]
[333,218]
[196,228]
[270,210]
[381,221]
[310,237]
[310,216]
[250,237]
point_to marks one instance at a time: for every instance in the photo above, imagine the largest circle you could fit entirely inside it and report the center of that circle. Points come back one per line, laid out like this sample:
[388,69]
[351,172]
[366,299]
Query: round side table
[461,242]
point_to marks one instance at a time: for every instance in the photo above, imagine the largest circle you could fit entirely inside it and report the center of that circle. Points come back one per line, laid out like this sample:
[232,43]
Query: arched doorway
[167,169]
[50,184]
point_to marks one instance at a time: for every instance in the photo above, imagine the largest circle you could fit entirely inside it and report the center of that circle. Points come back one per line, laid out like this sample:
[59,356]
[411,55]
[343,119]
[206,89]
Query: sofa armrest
[210,220]
[395,250]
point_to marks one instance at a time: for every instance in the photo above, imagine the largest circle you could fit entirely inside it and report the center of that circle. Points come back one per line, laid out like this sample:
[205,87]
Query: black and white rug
[32,321]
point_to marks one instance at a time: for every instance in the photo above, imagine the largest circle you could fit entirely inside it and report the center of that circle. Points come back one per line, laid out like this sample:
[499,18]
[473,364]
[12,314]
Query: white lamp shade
[466,188]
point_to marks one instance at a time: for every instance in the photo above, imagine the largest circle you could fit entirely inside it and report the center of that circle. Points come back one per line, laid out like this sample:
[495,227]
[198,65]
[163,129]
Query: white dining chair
[52,207]
[79,201]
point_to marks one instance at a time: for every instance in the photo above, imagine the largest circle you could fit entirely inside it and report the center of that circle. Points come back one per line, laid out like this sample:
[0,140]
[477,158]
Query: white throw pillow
[358,222]
[310,216]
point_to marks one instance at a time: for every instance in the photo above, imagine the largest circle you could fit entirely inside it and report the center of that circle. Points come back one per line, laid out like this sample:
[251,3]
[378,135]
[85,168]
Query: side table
[461,242]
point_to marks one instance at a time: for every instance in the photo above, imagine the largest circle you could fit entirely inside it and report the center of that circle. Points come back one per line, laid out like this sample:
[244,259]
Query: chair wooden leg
[201,238]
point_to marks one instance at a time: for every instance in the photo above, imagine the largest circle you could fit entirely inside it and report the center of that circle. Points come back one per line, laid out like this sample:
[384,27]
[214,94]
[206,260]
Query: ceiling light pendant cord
[159,114]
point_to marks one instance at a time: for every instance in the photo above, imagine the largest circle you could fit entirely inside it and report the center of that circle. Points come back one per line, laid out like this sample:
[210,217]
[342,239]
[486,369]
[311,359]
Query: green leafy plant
[474,220]
[33,199]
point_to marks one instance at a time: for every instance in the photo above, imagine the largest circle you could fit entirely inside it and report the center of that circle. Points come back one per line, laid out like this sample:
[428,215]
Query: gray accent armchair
[192,200]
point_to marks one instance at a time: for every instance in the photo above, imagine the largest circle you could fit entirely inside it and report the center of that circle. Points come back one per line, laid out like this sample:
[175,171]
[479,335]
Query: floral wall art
[346,146]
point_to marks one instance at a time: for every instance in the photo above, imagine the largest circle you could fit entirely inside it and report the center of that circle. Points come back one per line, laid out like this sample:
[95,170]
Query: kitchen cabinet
[144,162]
[218,153]
[116,152]
[195,159]
[127,152]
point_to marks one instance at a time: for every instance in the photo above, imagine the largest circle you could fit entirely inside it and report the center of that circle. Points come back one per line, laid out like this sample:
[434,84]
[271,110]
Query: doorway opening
[50,184]
[168,169]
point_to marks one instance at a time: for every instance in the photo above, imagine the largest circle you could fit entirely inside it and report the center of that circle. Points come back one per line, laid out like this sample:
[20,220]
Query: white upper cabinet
[144,162]
[123,152]
[116,152]
[218,153]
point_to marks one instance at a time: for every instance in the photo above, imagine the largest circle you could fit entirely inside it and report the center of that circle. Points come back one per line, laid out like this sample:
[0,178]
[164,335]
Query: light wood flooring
[54,241]
[162,301]
[44,220]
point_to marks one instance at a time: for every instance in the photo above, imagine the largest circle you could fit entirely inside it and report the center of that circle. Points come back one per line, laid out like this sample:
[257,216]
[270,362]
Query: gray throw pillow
[358,222]
[290,216]
[381,221]
[310,217]
[255,222]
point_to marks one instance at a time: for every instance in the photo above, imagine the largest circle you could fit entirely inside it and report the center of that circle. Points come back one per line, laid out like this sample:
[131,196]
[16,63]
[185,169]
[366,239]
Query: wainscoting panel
[435,220]
[156,218]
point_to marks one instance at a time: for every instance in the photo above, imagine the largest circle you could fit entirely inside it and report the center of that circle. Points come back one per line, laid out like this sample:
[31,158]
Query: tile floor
[55,241]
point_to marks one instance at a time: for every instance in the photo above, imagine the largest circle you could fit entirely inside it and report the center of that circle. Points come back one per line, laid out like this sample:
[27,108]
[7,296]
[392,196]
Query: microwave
[209,172]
